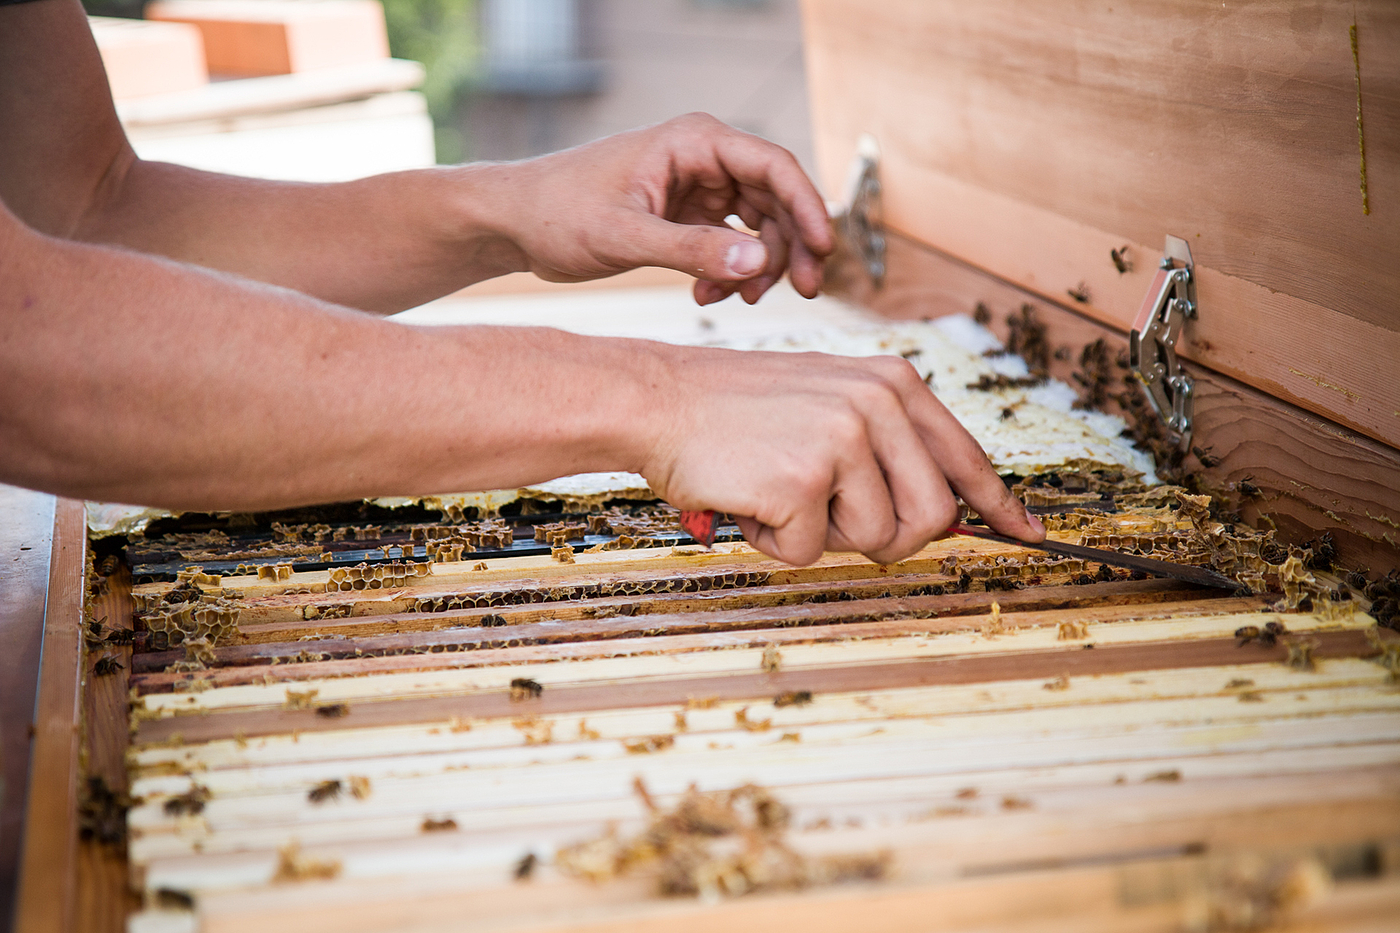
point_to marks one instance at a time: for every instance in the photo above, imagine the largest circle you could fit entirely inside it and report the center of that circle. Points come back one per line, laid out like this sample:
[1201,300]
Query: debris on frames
[294,865]
[772,661]
[300,699]
[715,845]
[648,744]
[445,825]
[742,720]
[1072,631]
[1300,653]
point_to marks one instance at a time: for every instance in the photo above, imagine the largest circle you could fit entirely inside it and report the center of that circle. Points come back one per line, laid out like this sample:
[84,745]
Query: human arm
[132,378]
[656,196]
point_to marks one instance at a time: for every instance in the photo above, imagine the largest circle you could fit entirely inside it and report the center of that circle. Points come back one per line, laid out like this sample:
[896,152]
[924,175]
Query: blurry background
[501,79]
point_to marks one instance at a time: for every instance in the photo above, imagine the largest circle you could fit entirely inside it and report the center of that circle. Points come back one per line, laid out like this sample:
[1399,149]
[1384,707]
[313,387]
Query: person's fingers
[799,539]
[861,513]
[804,270]
[771,235]
[717,253]
[760,164]
[707,292]
[967,469]
[923,504]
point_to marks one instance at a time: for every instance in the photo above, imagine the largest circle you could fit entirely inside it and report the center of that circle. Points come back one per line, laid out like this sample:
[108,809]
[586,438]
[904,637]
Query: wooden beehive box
[382,734]
[1021,144]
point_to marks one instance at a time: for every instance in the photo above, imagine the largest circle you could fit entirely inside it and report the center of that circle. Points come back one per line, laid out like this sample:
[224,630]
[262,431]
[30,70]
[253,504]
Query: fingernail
[1036,525]
[745,257]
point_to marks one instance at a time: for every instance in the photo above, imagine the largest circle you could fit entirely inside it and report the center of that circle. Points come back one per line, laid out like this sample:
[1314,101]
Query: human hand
[816,453]
[659,196]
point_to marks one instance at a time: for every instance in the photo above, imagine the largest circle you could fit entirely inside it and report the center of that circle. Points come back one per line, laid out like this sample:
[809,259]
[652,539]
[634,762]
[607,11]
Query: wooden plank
[1166,136]
[103,900]
[1119,821]
[26,540]
[48,866]
[1315,475]
[428,902]
[464,631]
[1216,780]
[1041,665]
[718,653]
[967,707]
[431,652]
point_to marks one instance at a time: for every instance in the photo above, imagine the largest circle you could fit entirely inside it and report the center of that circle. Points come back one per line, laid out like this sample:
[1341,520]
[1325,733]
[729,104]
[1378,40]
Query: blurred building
[558,73]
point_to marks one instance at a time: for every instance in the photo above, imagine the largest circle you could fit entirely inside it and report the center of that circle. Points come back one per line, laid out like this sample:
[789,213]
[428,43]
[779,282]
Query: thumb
[717,254]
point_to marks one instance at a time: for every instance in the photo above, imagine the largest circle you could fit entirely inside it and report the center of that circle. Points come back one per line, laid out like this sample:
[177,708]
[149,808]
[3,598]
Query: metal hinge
[861,223]
[1152,344]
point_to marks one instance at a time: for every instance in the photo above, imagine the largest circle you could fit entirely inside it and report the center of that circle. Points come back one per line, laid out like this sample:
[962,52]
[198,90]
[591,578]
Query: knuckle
[943,514]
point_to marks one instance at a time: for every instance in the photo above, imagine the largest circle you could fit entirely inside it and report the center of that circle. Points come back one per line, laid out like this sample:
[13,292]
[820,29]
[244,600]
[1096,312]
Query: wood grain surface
[1031,139]
[26,541]
[48,866]
[103,897]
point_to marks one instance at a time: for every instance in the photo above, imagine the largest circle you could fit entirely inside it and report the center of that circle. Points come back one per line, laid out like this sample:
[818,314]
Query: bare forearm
[380,244]
[194,390]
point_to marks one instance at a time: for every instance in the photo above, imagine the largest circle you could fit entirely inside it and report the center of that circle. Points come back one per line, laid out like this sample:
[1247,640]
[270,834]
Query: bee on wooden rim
[1248,489]
[105,666]
[1121,262]
[526,866]
[333,710]
[1269,637]
[326,790]
[1246,634]
[1079,293]
[1207,458]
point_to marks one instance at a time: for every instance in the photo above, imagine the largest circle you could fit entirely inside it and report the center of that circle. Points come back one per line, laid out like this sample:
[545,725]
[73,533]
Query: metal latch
[861,224]
[1152,343]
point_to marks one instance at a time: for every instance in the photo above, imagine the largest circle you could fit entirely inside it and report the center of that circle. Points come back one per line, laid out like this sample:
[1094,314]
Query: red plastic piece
[701,526]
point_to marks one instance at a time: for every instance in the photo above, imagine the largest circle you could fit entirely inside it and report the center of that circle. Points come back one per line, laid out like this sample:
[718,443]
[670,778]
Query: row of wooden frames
[1111,756]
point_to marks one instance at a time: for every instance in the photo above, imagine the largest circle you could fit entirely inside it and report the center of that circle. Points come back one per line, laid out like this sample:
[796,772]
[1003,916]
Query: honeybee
[793,698]
[1269,637]
[1120,259]
[326,790]
[1246,634]
[190,803]
[1079,293]
[526,866]
[523,688]
[1207,458]
[105,666]
[172,899]
[333,710]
